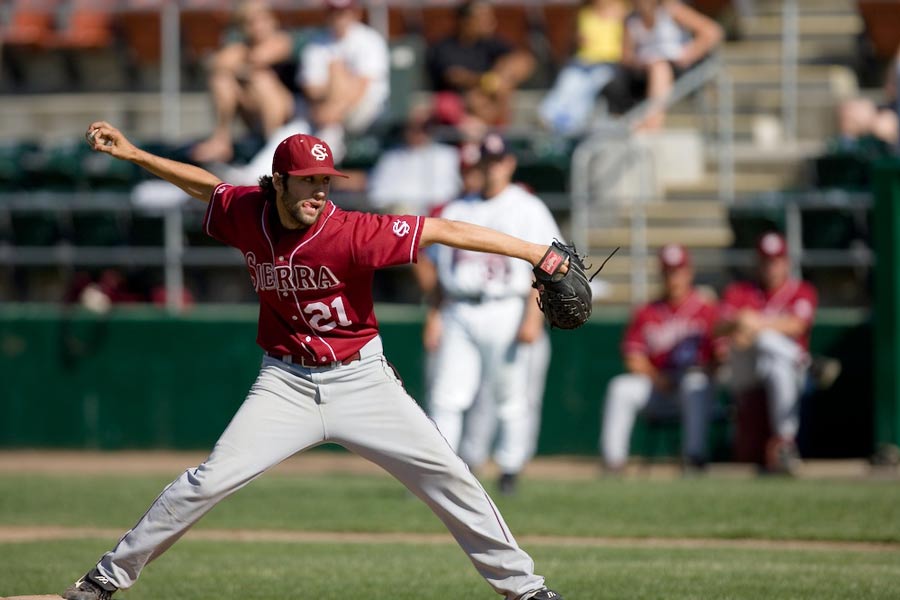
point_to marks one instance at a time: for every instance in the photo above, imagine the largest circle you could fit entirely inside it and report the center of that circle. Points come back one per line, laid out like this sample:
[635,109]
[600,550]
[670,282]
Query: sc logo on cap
[319,152]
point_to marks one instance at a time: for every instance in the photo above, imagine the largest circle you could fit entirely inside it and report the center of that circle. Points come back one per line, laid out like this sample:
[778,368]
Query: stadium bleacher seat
[31,23]
[101,171]
[559,30]
[88,25]
[39,228]
[139,25]
[203,23]
[12,155]
[882,21]
[55,166]
[102,228]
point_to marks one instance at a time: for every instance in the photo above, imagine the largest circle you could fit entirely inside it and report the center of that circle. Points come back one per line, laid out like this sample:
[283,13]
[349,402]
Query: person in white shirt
[344,74]
[417,175]
[490,323]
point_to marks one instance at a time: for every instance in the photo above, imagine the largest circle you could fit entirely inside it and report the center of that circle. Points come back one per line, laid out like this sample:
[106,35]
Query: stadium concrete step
[821,24]
[656,236]
[768,74]
[55,116]
[754,51]
[681,211]
[745,184]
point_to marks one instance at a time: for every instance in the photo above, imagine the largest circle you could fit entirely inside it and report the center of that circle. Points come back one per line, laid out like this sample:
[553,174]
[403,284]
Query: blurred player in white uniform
[490,325]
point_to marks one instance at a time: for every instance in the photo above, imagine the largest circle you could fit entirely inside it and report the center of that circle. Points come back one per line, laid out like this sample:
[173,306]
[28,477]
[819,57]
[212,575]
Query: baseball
[93,133]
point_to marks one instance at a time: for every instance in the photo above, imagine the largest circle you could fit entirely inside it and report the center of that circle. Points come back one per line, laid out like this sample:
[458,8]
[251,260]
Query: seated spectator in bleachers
[668,350]
[344,74]
[417,175]
[245,81]
[477,69]
[768,323]
[662,40]
[568,106]
[866,127]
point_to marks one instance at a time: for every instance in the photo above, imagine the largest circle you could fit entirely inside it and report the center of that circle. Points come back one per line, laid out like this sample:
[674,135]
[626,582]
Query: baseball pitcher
[323,376]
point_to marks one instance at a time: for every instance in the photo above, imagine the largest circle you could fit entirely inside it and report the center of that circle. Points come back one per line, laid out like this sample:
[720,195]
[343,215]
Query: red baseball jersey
[672,337]
[795,297]
[314,284]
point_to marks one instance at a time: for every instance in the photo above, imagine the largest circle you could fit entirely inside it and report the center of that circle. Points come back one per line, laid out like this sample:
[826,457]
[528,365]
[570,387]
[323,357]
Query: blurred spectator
[768,323]
[417,175]
[475,72]
[344,75]
[568,107]
[867,127]
[662,40]
[668,350]
[98,292]
[244,81]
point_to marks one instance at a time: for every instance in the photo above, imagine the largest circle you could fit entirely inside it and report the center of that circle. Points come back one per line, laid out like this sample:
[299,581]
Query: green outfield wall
[886,232]
[139,378]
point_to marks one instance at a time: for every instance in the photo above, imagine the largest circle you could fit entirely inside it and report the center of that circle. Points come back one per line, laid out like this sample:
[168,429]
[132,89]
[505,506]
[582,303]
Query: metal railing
[600,160]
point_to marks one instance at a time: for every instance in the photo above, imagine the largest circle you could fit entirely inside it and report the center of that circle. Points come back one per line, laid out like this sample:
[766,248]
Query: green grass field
[592,539]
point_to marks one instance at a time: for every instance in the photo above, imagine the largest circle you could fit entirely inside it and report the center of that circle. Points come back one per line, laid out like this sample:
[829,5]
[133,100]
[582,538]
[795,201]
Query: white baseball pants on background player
[779,364]
[361,406]
[630,393]
[482,419]
[479,354]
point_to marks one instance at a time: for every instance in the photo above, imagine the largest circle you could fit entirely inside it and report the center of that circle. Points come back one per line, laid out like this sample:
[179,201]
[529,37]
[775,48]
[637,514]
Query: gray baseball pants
[630,393]
[779,364]
[361,406]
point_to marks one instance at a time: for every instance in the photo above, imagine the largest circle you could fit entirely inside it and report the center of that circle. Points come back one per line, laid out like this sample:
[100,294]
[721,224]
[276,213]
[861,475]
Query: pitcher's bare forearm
[467,236]
[196,182]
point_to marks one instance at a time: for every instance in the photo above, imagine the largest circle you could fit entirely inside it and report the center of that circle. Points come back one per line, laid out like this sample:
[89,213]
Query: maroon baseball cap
[674,256]
[339,4]
[303,154]
[771,245]
[493,146]
[469,155]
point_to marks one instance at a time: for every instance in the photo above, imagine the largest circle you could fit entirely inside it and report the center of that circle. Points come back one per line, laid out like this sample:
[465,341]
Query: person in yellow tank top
[568,106]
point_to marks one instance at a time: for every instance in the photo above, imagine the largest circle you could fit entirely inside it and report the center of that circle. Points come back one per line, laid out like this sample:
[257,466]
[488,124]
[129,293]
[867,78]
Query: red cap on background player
[771,245]
[493,146]
[303,155]
[469,155]
[339,4]
[673,256]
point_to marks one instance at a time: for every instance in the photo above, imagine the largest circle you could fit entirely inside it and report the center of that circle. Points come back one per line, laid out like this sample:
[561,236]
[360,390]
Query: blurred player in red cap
[668,352]
[768,322]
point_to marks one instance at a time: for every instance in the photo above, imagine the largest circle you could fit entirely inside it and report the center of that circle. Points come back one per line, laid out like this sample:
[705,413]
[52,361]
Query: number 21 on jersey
[323,319]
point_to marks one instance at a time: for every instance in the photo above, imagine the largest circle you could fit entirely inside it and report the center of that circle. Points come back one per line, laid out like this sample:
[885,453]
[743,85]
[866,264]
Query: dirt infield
[325,462]
[32,534]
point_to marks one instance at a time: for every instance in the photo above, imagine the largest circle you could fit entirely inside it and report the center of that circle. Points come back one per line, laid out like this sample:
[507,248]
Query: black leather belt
[302,361]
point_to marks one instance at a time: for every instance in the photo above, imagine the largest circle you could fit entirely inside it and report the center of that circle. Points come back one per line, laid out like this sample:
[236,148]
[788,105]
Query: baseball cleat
[543,594]
[507,484]
[93,586]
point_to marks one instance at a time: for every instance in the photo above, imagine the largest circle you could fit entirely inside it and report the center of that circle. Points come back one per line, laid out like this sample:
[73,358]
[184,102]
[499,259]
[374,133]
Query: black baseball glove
[564,298]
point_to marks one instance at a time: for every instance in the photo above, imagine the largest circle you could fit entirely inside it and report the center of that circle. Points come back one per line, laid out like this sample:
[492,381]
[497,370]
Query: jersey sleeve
[227,207]
[633,341]
[805,303]
[386,240]
[731,302]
